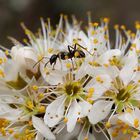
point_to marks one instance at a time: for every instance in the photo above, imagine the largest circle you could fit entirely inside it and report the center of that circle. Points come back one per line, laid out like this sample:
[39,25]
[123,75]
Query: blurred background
[12,12]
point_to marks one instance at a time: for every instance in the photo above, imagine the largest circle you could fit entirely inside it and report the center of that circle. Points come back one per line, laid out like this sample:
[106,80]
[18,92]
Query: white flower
[121,90]
[70,104]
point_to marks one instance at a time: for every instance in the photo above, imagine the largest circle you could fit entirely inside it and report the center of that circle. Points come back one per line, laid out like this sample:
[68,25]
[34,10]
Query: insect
[71,53]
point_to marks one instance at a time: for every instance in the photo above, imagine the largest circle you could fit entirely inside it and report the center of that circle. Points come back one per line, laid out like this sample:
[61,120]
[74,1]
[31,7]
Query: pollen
[41,109]
[106,20]
[86,138]
[106,37]
[95,24]
[90,101]
[10,130]
[95,41]
[16,135]
[123,27]
[93,32]
[128,110]
[2,74]
[7,52]
[137,26]
[3,132]
[40,57]
[79,120]
[108,125]
[27,131]
[135,134]
[75,41]
[98,79]
[1,61]
[30,105]
[136,123]
[35,87]
[50,50]
[116,27]
[133,35]
[41,95]
[68,65]
[114,134]
[90,92]
[65,120]
[106,65]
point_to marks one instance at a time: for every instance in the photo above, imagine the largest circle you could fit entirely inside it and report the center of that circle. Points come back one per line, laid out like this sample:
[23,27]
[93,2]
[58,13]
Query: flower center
[123,95]
[72,88]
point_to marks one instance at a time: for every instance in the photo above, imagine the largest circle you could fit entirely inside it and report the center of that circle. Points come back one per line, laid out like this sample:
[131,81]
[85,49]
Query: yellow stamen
[136,123]
[10,130]
[106,20]
[116,27]
[41,95]
[95,24]
[68,65]
[86,138]
[7,52]
[2,74]
[30,105]
[35,87]
[95,41]
[90,101]
[98,79]
[65,120]
[41,109]
[90,92]
[50,50]
[123,27]
[1,61]
[108,125]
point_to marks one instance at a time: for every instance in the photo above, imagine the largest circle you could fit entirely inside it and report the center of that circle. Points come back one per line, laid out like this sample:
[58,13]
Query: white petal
[127,71]
[54,112]
[11,70]
[64,135]
[99,89]
[104,59]
[9,113]
[99,111]
[85,107]
[54,77]
[73,115]
[39,136]
[39,125]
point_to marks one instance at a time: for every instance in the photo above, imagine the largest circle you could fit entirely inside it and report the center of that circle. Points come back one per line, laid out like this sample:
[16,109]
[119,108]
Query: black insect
[72,53]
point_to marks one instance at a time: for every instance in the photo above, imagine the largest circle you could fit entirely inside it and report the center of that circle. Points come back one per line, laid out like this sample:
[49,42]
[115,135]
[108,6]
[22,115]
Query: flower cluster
[68,83]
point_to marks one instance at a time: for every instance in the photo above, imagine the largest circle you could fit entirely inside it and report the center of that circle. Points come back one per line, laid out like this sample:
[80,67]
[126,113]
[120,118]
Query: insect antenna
[83,48]
[38,62]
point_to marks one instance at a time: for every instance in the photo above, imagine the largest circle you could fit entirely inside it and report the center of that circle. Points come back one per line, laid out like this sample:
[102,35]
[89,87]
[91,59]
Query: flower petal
[99,111]
[127,71]
[73,115]
[85,107]
[104,58]
[39,125]
[54,112]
